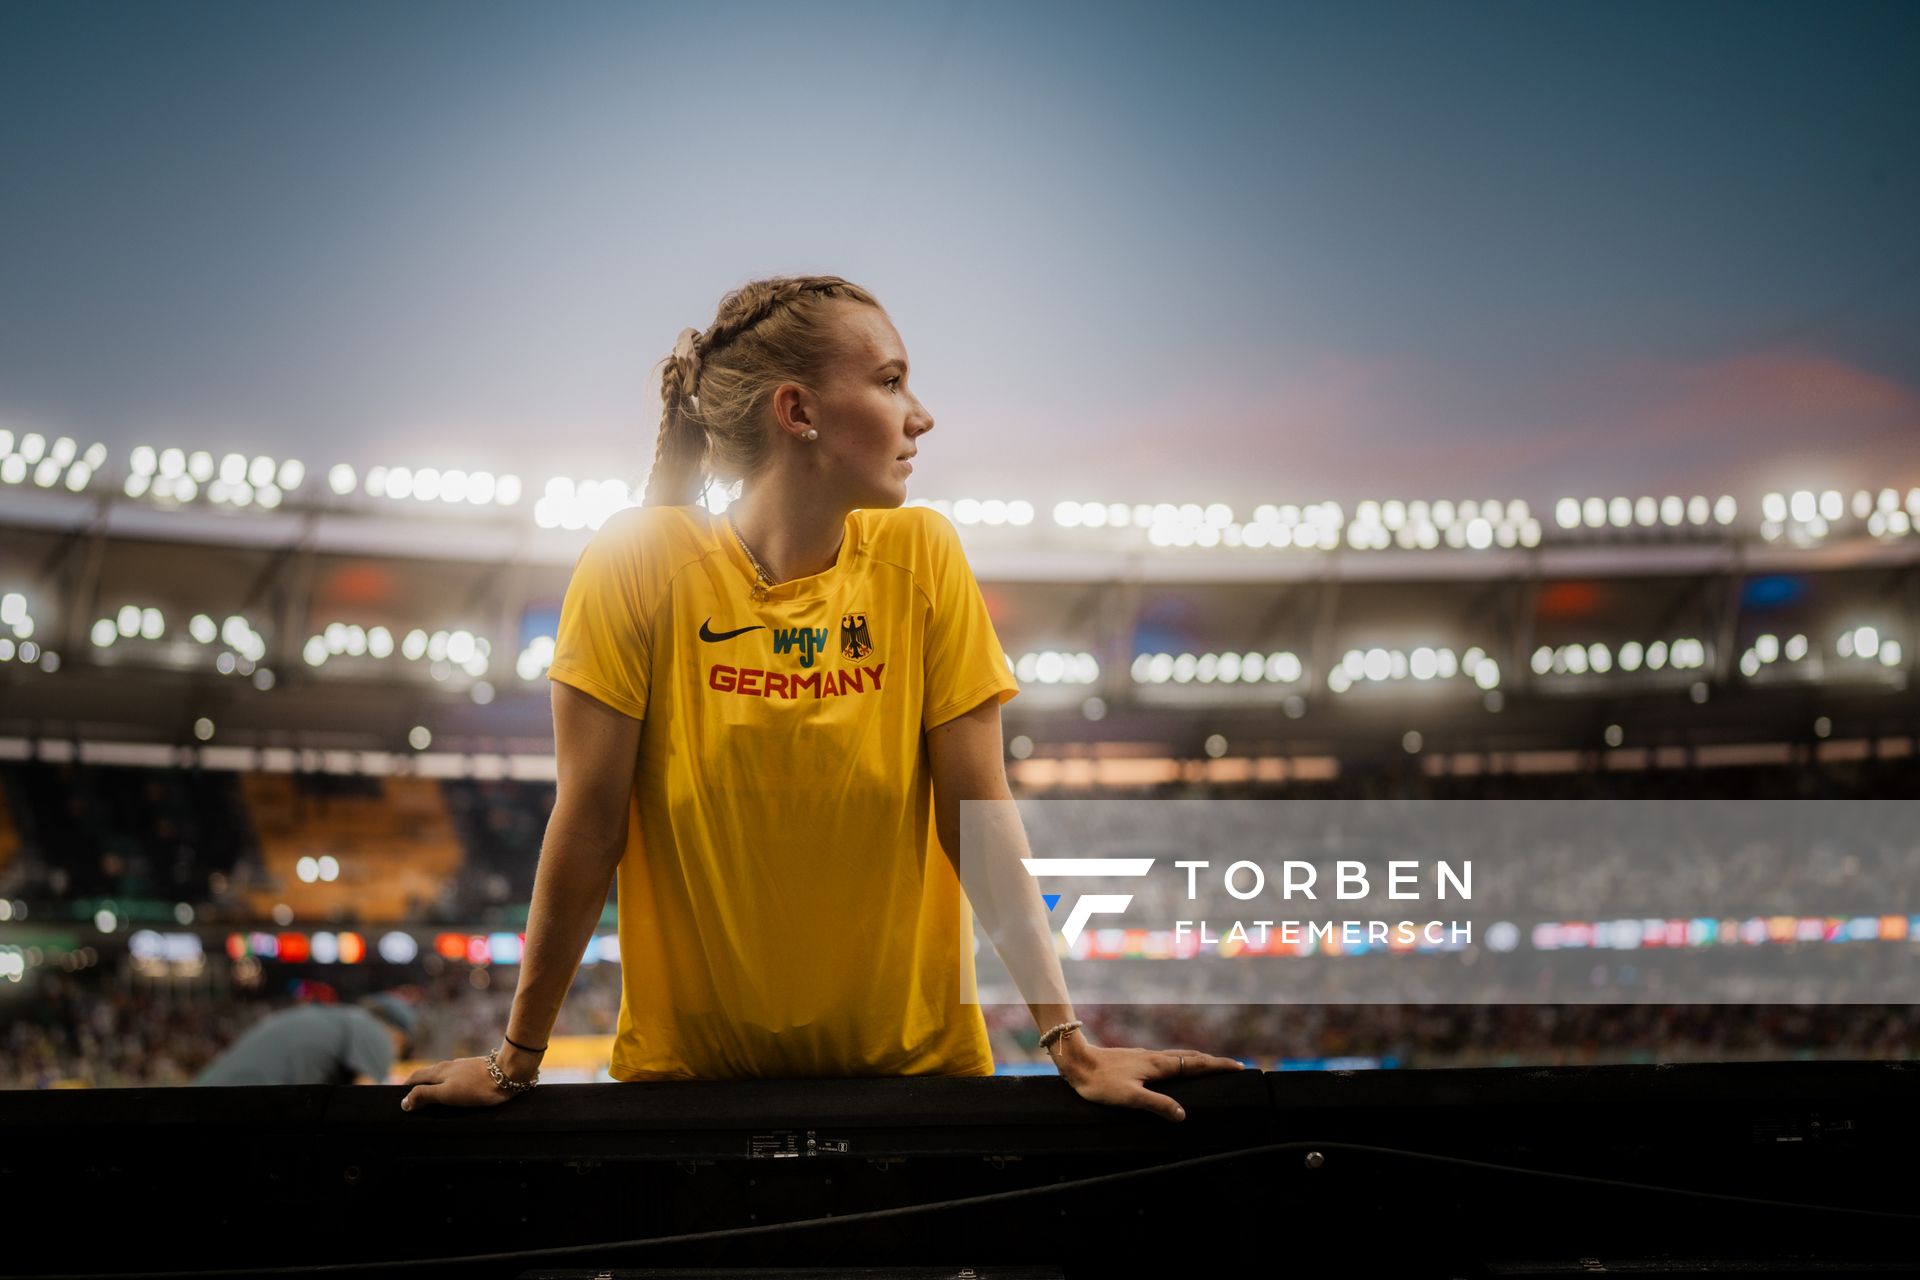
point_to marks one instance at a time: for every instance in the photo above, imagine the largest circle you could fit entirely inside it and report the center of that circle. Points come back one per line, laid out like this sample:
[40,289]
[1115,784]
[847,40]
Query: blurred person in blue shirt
[320,1044]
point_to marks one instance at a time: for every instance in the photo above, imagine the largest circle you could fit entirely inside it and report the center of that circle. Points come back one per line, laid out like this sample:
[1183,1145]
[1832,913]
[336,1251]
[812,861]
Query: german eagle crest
[855,642]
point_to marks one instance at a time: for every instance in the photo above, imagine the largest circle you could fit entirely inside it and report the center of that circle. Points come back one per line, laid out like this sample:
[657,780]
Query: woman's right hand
[460,1082]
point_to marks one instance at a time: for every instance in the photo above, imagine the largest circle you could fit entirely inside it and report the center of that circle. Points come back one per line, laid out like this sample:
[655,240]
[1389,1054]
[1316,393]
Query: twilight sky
[1137,252]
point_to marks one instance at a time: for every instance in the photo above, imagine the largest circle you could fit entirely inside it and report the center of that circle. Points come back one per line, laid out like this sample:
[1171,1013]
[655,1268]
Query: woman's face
[869,422]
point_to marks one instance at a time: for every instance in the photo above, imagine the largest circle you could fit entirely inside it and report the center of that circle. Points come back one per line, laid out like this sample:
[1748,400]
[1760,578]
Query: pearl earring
[811,434]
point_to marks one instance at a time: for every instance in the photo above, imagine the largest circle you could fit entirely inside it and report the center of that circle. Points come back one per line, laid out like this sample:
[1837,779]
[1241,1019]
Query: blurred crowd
[181,836]
[94,1029]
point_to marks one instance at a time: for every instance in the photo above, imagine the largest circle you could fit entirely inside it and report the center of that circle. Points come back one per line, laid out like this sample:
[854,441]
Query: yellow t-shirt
[785,907]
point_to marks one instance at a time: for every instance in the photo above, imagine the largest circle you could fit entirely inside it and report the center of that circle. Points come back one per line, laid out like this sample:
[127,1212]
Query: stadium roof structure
[344,625]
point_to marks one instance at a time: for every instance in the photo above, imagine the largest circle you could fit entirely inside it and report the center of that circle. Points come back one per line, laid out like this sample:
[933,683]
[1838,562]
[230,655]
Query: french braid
[713,400]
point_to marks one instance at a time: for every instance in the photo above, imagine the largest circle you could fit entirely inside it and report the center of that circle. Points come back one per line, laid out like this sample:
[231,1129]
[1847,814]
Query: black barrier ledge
[1470,1172]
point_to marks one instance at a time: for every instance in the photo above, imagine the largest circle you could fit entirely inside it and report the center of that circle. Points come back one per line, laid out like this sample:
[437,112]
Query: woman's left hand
[1119,1077]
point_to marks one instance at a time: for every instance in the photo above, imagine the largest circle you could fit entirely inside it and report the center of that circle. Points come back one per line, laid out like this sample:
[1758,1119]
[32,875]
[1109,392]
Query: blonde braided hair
[716,386]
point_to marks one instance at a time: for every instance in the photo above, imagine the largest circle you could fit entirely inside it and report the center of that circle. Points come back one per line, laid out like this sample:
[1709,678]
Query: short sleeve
[604,648]
[965,664]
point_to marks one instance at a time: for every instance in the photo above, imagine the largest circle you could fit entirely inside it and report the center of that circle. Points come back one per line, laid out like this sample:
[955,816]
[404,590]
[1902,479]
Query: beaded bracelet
[1056,1033]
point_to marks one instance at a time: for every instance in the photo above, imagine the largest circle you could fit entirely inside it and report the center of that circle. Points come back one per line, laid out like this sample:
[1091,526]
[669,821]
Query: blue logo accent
[806,639]
[1053,900]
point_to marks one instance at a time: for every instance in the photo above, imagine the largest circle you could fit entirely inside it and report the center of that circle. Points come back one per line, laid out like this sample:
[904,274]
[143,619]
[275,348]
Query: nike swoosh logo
[710,636]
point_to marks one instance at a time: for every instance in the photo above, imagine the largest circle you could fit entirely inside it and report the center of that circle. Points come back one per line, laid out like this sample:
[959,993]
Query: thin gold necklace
[766,583]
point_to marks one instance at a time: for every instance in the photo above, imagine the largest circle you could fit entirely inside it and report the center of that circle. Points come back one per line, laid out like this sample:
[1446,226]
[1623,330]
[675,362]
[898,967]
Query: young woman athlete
[765,723]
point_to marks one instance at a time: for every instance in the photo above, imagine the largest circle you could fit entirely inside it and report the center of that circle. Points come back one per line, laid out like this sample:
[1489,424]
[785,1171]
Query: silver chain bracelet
[500,1080]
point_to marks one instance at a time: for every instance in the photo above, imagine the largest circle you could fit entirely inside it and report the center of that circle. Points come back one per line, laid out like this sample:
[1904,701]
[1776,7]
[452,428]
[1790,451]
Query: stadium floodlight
[1862,504]
[1599,658]
[6,441]
[1725,509]
[128,620]
[1487,676]
[63,450]
[261,471]
[399,483]
[78,475]
[507,492]
[46,473]
[1646,512]
[1594,512]
[1620,512]
[414,647]
[268,496]
[1750,664]
[33,447]
[292,474]
[419,737]
[13,468]
[104,633]
[1803,506]
[233,469]
[426,484]
[1890,653]
[380,642]
[1630,655]
[341,479]
[1796,648]
[316,651]
[1338,680]
[153,624]
[1542,660]
[200,466]
[1773,507]
[1377,664]
[1479,534]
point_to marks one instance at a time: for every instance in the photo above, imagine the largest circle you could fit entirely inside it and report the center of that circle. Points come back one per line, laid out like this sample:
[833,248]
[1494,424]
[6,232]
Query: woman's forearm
[1007,900]
[569,893]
